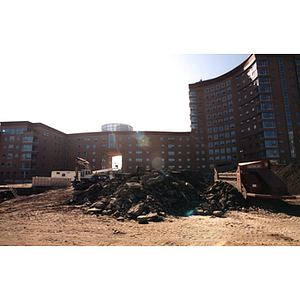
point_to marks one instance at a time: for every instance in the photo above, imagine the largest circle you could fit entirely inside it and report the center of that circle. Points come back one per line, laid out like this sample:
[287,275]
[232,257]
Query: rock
[123,193]
[222,201]
[175,184]
[151,209]
[116,214]
[133,185]
[114,201]
[218,188]
[94,210]
[156,180]
[210,197]
[205,206]
[121,219]
[218,213]
[229,203]
[154,217]
[142,219]
[106,212]
[136,210]
[199,211]
[144,178]
[132,197]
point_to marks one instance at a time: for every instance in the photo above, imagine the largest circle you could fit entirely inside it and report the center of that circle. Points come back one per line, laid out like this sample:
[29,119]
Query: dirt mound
[150,196]
[290,175]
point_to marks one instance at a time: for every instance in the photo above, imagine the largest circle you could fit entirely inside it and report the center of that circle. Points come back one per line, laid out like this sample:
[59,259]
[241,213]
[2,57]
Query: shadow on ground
[290,207]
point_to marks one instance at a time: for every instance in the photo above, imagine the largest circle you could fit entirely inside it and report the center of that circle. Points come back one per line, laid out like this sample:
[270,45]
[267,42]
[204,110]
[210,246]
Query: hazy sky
[77,65]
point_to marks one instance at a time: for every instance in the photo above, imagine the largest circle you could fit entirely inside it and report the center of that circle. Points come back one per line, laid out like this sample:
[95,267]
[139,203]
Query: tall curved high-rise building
[249,113]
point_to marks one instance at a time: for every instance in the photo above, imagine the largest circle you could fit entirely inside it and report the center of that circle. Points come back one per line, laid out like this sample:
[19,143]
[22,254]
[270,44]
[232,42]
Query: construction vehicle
[87,176]
[253,179]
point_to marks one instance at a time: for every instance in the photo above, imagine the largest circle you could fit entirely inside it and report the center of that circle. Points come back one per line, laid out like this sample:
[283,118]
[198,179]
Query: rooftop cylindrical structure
[116,127]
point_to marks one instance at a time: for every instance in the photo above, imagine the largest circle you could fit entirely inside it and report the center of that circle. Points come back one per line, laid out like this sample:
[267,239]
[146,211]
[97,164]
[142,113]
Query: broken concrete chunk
[99,205]
[133,185]
[94,210]
[155,180]
[218,213]
[136,210]
[199,211]
[142,219]
[154,217]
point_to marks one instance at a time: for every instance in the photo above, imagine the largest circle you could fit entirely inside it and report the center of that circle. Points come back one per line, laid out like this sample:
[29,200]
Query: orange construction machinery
[253,179]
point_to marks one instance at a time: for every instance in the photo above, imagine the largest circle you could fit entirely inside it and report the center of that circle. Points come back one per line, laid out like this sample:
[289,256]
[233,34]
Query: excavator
[87,176]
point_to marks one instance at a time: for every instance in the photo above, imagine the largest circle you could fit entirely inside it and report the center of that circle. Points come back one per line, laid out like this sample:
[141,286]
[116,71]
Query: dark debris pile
[152,195]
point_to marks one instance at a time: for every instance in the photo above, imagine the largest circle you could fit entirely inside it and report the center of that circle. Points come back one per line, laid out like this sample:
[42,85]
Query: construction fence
[50,181]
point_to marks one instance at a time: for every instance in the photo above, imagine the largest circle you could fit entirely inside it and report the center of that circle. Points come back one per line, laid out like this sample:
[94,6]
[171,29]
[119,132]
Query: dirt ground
[46,220]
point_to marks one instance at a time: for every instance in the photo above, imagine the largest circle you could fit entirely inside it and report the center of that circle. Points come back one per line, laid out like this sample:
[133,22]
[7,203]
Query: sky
[76,65]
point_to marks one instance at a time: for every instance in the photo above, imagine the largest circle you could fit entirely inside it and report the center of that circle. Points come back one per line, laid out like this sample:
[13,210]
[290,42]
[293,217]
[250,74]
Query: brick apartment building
[34,149]
[249,113]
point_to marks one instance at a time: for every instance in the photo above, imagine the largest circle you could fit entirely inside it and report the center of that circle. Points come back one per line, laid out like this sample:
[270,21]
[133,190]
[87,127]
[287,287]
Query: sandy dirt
[46,220]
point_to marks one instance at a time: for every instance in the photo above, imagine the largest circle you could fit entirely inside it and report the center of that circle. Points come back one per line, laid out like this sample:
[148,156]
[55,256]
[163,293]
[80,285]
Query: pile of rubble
[290,175]
[152,195]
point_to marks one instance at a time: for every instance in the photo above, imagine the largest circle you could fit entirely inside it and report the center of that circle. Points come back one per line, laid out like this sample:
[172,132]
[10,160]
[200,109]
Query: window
[30,139]
[268,134]
[271,143]
[112,140]
[269,124]
[270,153]
[263,71]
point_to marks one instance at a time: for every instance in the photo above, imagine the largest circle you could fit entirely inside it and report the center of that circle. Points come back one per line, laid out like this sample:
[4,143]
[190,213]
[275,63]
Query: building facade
[250,113]
[34,149]
[31,149]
